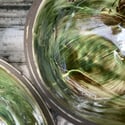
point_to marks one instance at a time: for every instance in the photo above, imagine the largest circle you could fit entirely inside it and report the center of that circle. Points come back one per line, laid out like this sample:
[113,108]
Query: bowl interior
[78,50]
[18,104]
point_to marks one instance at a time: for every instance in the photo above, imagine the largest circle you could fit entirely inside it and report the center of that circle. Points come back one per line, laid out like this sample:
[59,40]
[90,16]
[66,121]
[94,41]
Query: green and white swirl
[17,105]
[77,52]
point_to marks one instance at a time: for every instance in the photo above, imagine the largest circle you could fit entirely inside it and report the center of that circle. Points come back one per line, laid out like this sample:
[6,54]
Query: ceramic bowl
[20,103]
[75,52]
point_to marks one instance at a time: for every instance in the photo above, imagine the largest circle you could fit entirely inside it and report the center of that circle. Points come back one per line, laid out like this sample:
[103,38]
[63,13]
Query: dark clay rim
[38,82]
[32,90]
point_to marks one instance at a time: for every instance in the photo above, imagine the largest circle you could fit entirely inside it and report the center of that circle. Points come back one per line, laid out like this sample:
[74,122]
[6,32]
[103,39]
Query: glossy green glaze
[17,105]
[77,49]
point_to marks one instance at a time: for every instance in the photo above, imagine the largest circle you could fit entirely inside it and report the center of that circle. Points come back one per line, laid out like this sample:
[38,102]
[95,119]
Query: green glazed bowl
[20,104]
[75,50]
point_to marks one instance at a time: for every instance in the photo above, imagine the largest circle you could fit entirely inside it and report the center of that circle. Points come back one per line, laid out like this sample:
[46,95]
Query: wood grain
[14,13]
[12,20]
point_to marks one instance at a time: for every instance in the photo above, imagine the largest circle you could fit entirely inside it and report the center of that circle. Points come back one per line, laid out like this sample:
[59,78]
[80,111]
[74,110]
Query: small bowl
[20,103]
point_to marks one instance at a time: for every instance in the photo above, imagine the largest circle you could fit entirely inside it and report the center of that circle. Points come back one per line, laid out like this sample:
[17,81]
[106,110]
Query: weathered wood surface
[12,20]
[14,13]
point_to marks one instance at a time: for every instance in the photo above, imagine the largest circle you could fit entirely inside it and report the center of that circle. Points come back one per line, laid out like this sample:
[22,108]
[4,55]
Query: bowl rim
[27,83]
[39,83]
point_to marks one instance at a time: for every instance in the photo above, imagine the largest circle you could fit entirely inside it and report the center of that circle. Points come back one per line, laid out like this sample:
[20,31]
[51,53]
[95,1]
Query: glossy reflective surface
[17,104]
[78,47]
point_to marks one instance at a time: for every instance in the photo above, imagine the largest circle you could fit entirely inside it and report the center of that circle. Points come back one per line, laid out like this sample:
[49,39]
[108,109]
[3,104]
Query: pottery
[20,103]
[75,52]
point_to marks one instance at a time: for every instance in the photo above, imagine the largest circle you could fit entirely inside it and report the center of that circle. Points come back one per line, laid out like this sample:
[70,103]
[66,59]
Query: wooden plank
[15,5]
[9,22]
[12,44]
[13,1]
[12,20]
[14,13]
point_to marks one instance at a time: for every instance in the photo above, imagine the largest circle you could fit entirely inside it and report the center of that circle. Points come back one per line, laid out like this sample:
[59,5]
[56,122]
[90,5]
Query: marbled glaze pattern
[17,105]
[77,49]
